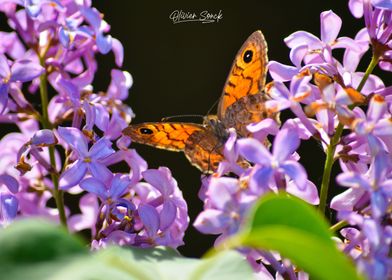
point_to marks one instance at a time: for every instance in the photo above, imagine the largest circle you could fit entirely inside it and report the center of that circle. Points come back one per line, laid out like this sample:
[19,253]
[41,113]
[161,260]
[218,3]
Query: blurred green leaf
[32,240]
[34,249]
[298,232]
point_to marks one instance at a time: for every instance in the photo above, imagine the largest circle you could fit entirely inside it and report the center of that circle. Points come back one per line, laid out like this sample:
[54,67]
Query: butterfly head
[212,122]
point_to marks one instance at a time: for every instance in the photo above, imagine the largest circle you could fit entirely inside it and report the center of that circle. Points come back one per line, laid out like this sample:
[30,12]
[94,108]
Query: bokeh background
[181,68]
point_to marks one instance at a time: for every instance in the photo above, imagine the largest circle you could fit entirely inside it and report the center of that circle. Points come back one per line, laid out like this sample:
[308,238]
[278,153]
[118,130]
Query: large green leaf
[34,249]
[31,241]
[298,232]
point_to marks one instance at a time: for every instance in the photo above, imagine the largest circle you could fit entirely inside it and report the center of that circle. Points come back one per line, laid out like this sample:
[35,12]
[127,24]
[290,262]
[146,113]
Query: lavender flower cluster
[68,146]
[328,97]
[71,142]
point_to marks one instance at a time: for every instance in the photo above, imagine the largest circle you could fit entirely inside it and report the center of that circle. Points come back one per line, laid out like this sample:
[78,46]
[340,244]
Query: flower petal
[101,149]
[89,207]
[99,170]
[347,199]
[168,215]
[296,172]
[150,219]
[43,137]
[3,97]
[309,193]
[285,143]
[330,26]
[281,72]
[75,138]
[5,71]
[211,221]
[301,38]
[260,179]
[10,182]
[95,186]
[118,51]
[73,175]
[252,150]
[9,208]
[353,180]
[25,70]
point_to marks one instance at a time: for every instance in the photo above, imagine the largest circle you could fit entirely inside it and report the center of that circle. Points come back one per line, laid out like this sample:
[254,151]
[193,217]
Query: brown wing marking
[204,150]
[248,72]
[248,109]
[162,135]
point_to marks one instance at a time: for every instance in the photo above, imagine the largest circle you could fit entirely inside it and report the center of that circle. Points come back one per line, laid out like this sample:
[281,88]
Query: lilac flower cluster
[327,96]
[67,144]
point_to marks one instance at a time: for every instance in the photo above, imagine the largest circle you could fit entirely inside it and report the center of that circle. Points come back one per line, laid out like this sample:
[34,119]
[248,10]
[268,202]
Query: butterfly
[242,102]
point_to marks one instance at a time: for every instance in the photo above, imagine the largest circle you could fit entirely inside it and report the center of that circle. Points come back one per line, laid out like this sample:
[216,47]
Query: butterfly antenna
[212,107]
[181,116]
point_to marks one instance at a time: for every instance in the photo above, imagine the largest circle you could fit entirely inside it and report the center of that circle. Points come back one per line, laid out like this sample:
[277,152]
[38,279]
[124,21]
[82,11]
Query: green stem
[335,140]
[57,194]
[328,168]
[338,226]
[369,70]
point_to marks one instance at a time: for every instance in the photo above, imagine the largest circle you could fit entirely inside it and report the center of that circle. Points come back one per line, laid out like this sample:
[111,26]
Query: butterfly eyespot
[248,55]
[144,130]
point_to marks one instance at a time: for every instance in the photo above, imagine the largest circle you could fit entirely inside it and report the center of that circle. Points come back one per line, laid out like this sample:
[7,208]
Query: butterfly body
[241,103]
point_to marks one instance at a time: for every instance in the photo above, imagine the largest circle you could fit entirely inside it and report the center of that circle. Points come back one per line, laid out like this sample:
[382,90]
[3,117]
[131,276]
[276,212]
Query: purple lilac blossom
[57,41]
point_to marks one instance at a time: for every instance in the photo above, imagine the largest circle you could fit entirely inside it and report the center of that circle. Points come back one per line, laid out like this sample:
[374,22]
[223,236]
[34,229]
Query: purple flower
[40,139]
[9,203]
[374,187]
[375,128]
[224,211]
[87,160]
[163,215]
[88,205]
[21,71]
[274,166]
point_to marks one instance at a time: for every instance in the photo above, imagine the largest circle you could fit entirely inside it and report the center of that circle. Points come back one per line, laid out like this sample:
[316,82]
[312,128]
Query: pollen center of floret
[87,159]
[274,164]
[234,215]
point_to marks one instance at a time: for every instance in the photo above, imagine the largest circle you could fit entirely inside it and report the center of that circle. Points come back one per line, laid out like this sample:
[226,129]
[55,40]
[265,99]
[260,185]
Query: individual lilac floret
[21,71]
[40,139]
[86,159]
[165,216]
[375,128]
[274,166]
[225,208]
[9,203]
[374,187]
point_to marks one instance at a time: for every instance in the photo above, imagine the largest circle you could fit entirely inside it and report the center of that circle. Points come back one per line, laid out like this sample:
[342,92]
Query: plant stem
[329,161]
[57,194]
[338,225]
[369,70]
[328,168]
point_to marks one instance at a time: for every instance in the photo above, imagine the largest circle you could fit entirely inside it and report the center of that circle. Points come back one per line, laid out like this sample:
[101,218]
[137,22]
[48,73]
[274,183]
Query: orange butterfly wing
[247,74]
[200,145]
[162,135]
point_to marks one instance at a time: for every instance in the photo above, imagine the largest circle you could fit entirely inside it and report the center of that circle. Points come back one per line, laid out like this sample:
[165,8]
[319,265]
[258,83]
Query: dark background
[181,68]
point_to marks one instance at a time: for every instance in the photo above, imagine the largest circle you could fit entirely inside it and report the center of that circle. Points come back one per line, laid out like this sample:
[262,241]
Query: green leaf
[298,232]
[289,211]
[32,240]
[165,263]
[34,249]
[225,266]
